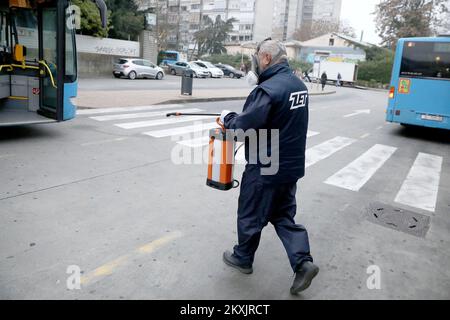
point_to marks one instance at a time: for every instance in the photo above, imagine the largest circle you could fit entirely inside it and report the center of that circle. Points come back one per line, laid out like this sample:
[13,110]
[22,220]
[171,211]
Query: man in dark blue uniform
[279,102]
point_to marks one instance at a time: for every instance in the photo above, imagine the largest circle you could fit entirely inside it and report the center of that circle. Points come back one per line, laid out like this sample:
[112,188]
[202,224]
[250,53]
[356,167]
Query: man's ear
[267,59]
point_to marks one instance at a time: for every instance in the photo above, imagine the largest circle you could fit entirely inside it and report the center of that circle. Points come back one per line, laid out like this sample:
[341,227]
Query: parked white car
[179,67]
[214,72]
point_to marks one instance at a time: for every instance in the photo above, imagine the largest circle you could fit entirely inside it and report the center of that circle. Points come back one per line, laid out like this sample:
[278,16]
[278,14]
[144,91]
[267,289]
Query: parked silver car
[137,68]
[179,67]
[213,71]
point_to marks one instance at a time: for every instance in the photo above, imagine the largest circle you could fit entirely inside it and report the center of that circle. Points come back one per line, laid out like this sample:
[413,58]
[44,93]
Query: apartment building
[183,18]
[255,19]
[281,18]
[328,10]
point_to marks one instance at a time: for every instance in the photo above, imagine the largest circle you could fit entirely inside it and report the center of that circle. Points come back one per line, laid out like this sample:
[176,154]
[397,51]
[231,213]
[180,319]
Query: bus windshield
[426,60]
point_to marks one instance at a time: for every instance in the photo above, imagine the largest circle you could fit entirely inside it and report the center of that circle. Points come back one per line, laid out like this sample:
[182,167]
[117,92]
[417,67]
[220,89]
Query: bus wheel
[159,76]
[132,75]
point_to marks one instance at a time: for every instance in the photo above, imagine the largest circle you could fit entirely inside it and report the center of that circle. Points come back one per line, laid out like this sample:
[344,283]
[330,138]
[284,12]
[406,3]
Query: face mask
[252,79]
[255,65]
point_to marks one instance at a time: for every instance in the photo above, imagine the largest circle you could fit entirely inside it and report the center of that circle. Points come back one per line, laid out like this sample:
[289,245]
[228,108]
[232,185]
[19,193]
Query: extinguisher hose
[236,181]
[237,150]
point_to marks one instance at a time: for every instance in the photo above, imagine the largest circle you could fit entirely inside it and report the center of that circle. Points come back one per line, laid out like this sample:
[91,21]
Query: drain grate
[399,219]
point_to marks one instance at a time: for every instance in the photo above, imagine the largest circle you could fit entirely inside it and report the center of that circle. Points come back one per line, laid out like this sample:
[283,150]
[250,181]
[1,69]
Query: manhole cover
[399,219]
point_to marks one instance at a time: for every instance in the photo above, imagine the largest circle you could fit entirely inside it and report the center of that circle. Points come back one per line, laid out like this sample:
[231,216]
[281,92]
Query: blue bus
[38,60]
[420,85]
[168,57]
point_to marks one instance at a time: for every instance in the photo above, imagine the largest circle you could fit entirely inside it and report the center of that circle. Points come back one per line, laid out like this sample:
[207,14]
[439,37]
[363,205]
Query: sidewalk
[128,98]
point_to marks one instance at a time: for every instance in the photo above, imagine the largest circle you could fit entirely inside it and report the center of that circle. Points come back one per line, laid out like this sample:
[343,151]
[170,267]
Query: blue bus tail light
[392,93]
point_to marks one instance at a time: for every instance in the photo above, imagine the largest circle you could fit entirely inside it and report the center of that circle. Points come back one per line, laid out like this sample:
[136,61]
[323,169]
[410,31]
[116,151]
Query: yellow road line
[152,246]
[109,267]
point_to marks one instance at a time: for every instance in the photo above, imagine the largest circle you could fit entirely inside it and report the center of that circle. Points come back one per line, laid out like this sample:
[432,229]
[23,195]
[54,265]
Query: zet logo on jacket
[298,99]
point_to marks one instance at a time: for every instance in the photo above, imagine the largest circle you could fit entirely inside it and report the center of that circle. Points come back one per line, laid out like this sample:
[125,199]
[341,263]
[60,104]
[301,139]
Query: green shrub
[378,67]
[300,65]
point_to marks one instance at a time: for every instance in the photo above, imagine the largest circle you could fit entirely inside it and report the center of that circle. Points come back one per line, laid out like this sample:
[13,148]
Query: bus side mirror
[103,12]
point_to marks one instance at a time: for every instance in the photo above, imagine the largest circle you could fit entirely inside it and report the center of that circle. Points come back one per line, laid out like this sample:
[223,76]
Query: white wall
[105,46]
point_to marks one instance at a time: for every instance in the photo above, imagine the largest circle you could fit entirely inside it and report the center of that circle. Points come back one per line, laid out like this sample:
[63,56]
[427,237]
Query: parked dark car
[229,71]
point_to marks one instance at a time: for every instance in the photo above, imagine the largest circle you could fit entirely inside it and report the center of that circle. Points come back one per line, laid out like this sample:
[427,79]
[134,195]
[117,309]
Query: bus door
[50,51]
[422,91]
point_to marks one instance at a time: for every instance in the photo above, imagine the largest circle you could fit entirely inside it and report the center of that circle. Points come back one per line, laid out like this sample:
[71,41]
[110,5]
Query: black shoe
[304,276]
[232,261]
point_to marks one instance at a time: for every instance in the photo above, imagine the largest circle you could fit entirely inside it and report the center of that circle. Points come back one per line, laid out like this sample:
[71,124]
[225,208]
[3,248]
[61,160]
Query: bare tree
[444,27]
[318,28]
[408,18]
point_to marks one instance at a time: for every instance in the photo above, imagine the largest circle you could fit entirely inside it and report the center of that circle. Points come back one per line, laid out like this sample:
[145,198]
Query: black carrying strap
[260,44]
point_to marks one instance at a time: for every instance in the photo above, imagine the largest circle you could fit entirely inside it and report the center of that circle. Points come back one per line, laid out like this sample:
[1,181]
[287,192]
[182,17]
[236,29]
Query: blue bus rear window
[169,56]
[426,60]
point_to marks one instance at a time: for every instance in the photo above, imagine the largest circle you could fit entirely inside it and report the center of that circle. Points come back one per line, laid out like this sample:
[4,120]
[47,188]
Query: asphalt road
[101,195]
[168,83]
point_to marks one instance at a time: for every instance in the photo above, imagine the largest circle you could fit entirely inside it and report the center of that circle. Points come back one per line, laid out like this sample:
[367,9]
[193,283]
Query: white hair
[276,49]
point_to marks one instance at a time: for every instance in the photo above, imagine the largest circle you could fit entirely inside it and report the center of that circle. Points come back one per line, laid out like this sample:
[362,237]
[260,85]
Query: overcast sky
[358,13]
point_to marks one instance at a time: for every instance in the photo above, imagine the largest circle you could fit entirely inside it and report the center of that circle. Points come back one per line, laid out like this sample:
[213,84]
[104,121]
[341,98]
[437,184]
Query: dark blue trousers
[260,204]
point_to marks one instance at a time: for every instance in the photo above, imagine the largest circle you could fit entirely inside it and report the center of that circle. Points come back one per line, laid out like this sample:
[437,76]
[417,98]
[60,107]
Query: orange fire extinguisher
[221,156]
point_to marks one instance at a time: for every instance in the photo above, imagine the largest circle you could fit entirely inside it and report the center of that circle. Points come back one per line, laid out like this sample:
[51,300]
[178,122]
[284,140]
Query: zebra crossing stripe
[195,143]
[356,174]
[140,115]
[326,149]
[159,122]
[312,133]
[181,130]
[126,109]
[203,141]
[240,156]
[420,189]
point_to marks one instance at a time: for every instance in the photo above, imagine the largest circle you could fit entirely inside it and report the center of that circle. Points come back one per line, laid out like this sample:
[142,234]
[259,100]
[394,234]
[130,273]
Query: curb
[198,100]
[372,89]
[322,93]
[193,100]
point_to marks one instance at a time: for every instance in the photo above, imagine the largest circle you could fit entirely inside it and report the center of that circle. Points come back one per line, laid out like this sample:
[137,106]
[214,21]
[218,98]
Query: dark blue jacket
[279,102]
